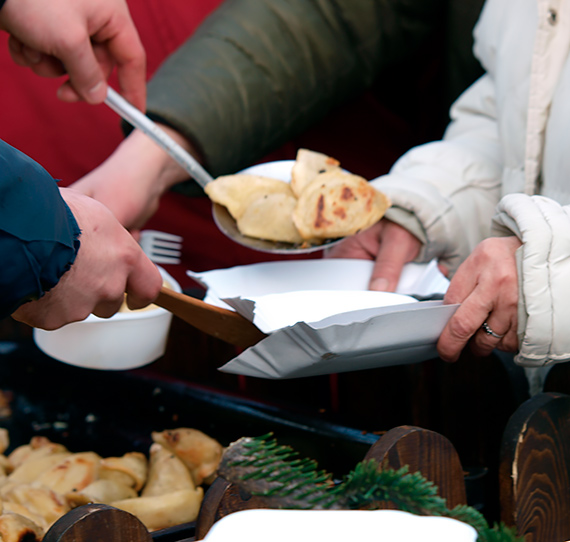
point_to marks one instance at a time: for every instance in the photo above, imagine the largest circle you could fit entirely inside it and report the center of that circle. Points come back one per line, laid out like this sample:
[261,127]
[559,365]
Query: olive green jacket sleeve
[258,72]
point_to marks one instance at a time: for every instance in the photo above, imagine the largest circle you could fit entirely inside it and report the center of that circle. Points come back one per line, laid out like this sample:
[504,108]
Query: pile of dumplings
[321,202]
[41,481]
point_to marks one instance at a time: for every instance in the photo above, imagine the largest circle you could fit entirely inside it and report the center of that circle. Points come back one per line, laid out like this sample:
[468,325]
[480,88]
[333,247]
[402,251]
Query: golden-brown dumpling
[308,164]
[33,467]
[236,192]
[15,528]
[162,511]
[167,473]
[73,473]
[130,469]
[39,500]
[336,204]
[38,447]
[270,217]
[199,452]
[101,491]
[17,508]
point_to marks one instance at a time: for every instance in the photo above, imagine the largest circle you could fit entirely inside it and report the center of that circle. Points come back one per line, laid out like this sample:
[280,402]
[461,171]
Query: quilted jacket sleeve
[38,233]
[258,72]
[445,192]
[543,226]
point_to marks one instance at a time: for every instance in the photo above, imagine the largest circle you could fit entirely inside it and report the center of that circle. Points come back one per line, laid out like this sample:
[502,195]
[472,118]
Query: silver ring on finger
[487,329]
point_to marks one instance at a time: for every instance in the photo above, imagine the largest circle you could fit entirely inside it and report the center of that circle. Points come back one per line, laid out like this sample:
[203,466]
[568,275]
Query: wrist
[155,162]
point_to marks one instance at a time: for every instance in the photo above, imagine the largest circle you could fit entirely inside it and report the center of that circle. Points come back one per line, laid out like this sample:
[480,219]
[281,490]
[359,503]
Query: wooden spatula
[229,326]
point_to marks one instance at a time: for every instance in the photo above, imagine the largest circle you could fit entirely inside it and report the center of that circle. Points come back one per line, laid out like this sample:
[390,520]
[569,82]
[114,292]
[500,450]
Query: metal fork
[161,247]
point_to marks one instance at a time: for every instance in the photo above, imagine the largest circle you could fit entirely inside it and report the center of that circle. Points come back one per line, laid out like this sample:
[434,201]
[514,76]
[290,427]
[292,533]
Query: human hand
[486,286]
[108,264]
[85,39]
[388,244]
[132,180]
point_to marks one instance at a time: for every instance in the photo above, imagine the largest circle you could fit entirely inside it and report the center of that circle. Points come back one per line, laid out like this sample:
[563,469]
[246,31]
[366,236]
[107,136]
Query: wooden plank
[534,471]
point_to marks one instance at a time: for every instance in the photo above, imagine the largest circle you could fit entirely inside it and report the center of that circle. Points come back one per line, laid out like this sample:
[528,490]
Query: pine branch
[367,486]
[499,533]
[264,468]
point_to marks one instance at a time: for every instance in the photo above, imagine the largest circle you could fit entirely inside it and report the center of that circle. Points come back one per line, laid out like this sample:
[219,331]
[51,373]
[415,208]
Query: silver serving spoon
[222,218]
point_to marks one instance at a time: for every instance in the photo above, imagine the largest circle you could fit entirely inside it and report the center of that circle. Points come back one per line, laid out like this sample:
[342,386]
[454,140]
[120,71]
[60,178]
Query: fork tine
[171,245]
[161,247]
[166,251]
[161,235]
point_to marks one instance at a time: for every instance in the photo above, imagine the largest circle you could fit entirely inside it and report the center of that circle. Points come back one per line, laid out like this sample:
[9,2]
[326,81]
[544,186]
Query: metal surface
[228,226]
[139,120]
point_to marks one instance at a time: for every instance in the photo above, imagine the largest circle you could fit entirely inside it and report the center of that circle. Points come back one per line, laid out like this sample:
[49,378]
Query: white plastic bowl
[127,340]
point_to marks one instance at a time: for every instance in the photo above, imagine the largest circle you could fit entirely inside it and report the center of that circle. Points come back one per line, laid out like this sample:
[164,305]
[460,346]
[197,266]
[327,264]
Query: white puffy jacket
[503,168]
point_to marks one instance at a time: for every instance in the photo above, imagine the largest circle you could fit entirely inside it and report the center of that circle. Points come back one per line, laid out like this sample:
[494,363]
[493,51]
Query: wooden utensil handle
[224,324]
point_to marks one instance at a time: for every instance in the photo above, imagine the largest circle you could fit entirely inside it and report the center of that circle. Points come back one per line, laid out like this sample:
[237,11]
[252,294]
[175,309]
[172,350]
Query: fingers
[397,248]
[486,287]
[486,339]
[88,74]
[66,92]
[15,50]
[128,52]
[106,309]
[501,321]
[475,306]
[388,244]
[85,73]
[363,245]
[143,284]
[465,327]
[461,327]
[74,56]
[74,33]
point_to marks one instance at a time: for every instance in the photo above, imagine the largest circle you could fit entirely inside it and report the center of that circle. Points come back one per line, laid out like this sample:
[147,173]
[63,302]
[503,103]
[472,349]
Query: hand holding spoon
[223,219]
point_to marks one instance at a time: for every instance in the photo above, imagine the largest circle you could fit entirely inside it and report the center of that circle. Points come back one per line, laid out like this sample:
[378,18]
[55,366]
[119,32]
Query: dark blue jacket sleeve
[39,236]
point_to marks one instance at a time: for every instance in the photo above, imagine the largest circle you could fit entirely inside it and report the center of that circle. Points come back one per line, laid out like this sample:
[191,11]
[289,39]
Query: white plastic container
[127,340]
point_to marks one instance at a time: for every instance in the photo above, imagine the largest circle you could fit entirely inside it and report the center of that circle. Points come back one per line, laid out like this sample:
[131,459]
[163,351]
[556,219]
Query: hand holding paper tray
[356,329]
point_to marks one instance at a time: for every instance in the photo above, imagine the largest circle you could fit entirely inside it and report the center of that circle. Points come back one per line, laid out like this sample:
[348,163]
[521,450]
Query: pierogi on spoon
[322,202]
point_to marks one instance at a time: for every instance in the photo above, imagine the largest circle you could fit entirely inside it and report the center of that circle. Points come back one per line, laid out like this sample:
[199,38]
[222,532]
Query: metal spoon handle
[139,120]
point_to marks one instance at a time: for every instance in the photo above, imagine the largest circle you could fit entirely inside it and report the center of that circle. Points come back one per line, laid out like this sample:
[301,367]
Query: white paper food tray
[321,318]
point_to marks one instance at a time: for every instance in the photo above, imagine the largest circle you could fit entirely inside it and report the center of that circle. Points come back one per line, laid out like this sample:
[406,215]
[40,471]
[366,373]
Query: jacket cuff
[39,236]
[543,226]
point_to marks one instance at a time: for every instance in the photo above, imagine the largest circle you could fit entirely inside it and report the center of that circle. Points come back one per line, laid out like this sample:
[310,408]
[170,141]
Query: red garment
[69,140]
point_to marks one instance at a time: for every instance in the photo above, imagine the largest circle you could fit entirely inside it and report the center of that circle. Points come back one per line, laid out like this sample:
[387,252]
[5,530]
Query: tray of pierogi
[72,437]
